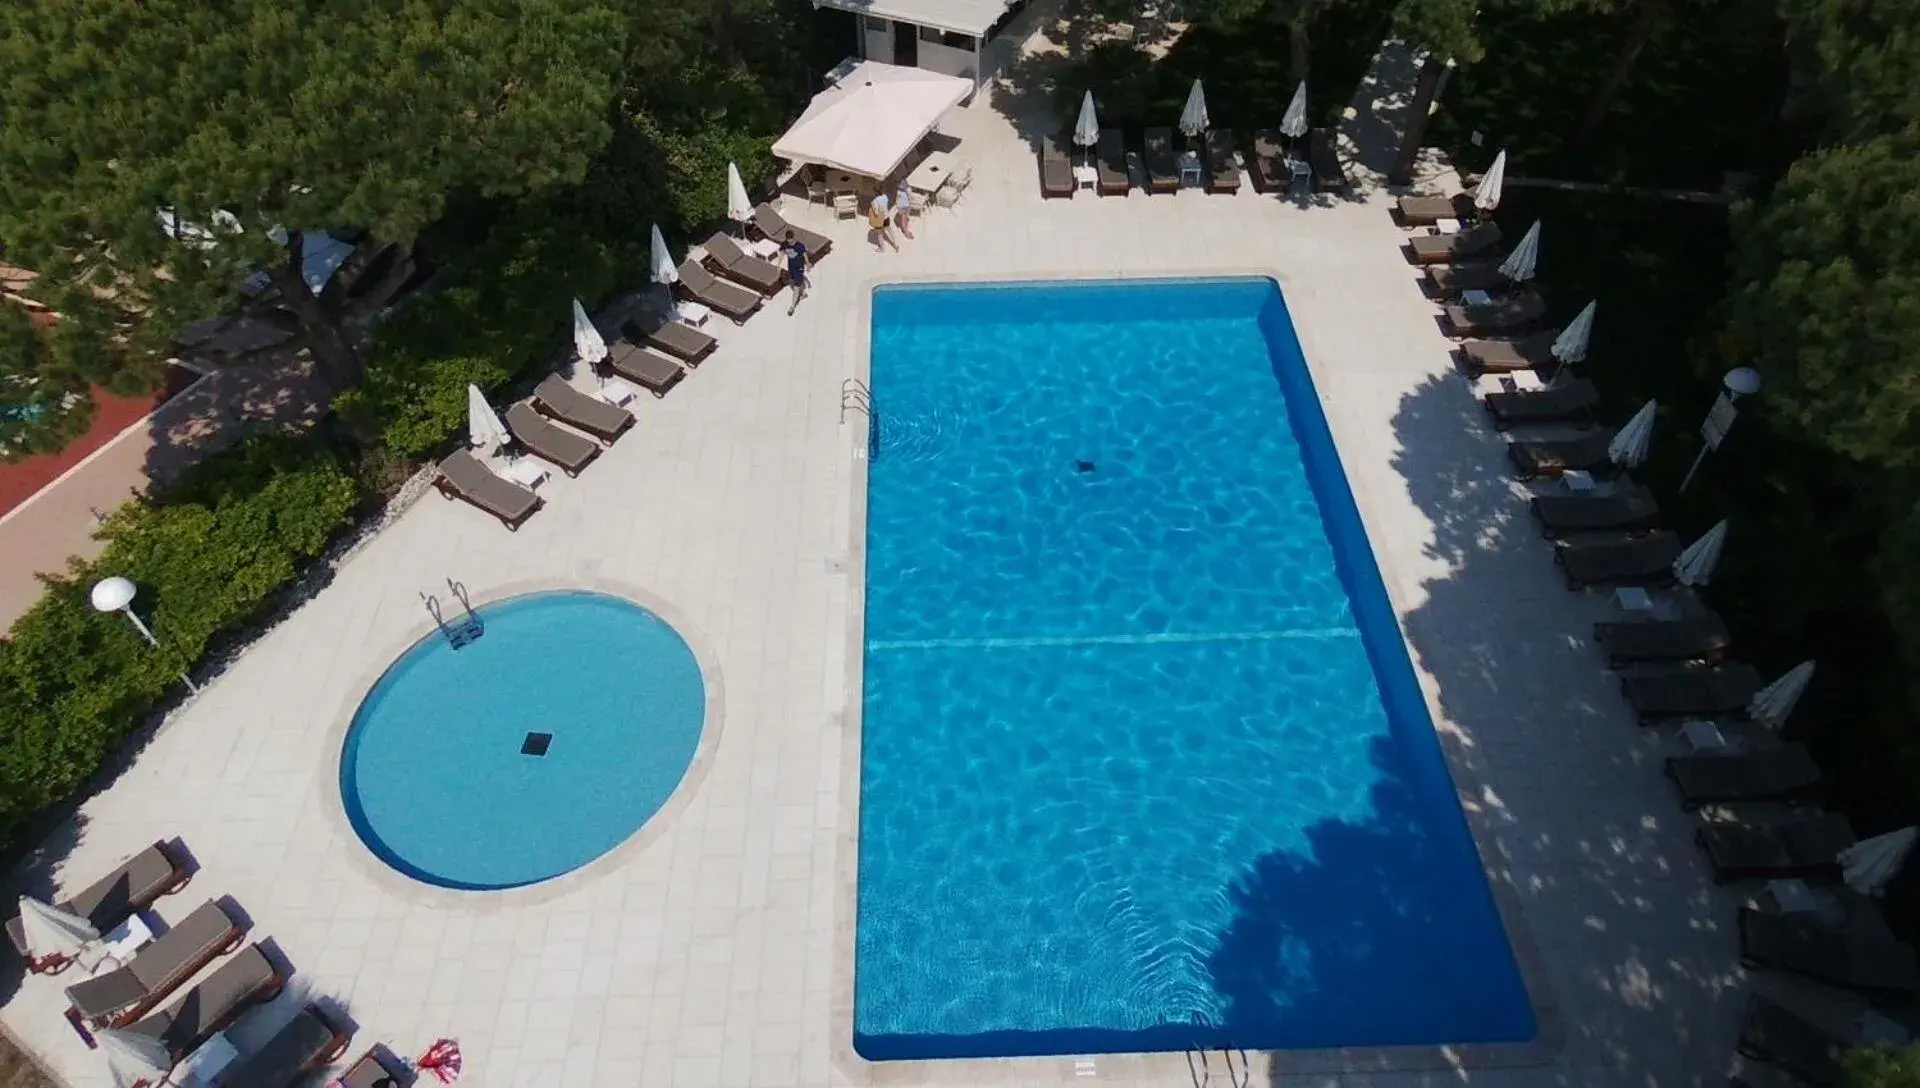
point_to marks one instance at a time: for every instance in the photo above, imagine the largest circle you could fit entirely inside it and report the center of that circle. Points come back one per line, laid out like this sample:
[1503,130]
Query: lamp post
[1740,382]
[116,594]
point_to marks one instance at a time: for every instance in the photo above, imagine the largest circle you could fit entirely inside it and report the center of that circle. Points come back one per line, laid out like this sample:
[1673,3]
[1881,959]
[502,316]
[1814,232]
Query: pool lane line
[1313,633]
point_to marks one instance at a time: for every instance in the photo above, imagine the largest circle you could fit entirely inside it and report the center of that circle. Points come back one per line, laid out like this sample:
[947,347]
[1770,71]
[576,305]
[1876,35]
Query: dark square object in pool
[536,744]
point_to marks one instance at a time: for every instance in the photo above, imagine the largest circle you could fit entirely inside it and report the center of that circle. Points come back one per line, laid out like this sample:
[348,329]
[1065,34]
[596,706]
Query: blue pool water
[1144,763]
[433,773]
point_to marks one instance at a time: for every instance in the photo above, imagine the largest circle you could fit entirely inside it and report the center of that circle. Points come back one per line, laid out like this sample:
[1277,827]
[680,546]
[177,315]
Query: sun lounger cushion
[687,344]
[1056,170]
[569,405]
[1628,508]
[1163,168]
[1444,248]
[1115,180]
[1323,154]
[1268,163]
[368,1071]
[705,288]
[1771,1032]
[155,971]
[113,898]
[570,451]
[1507,356]
[1537,457]
[304,1043]
[241,982]
[654,371]
[1425,211]
[1780,773]
[1515,312]
[1613,561]
[1568,401]
[1862,957]
[462,476]
[1722,689]
[1449,280]
[735,263]
[1793,848]
[1695,638]
[772,225]
[1223,174]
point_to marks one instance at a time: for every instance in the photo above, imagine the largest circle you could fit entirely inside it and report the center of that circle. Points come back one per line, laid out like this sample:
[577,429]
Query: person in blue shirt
[796,255]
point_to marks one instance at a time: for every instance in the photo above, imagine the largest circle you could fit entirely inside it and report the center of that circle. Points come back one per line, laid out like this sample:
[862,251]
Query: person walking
[796,255]
[880,219]
[903,209]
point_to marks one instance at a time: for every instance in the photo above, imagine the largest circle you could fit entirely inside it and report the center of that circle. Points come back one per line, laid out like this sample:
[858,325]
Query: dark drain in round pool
[1083,466]
[536,744]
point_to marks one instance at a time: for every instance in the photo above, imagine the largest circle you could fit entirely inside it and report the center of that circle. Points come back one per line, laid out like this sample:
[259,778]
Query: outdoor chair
[1585,452]
[1567,402]
[1425,211]
[1809,846]
[1453,280]
[772,225]
[305,1043]
[1163,168]
[1691,692]
[1628,509]
[1110,159]
[463,477]
[1784,772]
[683,342]
[1499,315]
[1223,173]
[1640,561]
[1860,954]
[246,980]
[1323,155]
[369,1070]
[1533,353]
[554,397]
[1268,163]
[1702,637]
[652,371]
[702,286]
[113,898]
[125,994]
[1778,1035]
[726,257]
[1449,248]
[568,451]
[1056,170]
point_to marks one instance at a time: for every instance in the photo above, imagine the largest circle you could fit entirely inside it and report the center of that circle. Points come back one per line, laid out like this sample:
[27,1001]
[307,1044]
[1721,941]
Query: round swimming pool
[529,751]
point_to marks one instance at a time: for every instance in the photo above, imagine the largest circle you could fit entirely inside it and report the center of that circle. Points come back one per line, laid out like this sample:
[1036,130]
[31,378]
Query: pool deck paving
[715,950]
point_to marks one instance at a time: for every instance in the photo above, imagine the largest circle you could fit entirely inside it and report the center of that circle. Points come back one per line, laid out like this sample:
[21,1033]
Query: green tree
[1860,61]
[1881,1067]
[239,117]
[1444,29]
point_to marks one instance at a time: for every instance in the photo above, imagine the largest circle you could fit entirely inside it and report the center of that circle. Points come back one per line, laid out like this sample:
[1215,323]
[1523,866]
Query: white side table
[116,947]
[200,1068]
[691,313]
[1634,601]
[1446,226]
[1577,480]
[1792,896]
[616,392]
[1703,737]
[524,471]
[1085,177]
[1475,298]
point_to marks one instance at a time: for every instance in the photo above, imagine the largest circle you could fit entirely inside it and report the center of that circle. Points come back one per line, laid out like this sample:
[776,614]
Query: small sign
[1477,139]
[1719,421]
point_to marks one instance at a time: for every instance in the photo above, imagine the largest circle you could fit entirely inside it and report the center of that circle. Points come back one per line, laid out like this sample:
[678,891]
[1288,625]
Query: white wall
[876,39]
[935,57]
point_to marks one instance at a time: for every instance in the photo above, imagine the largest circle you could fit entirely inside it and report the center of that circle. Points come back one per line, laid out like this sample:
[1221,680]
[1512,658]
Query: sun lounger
[247,979]
[370,1071]
[1449,248]
[126,993]
[1323,154]
[1773,1033]
[707,289]
[463,477]
[727,258]
[569,451]
[1425,211]
[1703,637]
[1450,280]
[1223,174]
[1783,773]
[1804,847]
[1568,402]
[1680,693]
[1056,170]
[1507,356]
[1625,510]
[1613,561]
[554,397]
[770,224]
[1111,160]
[651,370]
[113,898]
[1536,457]
[1268,163]
[1163,168]
[683,342]
[1863,958]
[305,1043]
[1500,315]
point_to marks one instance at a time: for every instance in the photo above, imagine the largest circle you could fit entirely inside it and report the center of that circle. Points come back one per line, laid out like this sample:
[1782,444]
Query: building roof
[971,17]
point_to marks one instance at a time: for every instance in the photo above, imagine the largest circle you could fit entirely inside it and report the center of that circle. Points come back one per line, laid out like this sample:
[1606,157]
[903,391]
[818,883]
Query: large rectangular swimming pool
[1144,763]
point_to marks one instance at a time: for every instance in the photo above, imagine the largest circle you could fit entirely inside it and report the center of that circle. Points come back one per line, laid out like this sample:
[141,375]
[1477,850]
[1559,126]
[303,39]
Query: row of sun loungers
[114,898]
[1220,164]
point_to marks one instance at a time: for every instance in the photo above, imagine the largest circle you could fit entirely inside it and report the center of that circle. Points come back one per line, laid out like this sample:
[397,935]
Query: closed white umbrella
[1519,265]
[1777,700]
[1695,565]
[1193,119]
[739,208]
[1869,864]
[1086,130]
[588,344]
[1294,123]
[50,931]
[1486,195]
[485,432]
[1630,443]
[662,263]
[133,1057]
[1571,345]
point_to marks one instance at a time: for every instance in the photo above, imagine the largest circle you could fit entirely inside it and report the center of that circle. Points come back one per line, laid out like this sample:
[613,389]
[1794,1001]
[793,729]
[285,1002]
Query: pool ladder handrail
[857,397]
[462,632]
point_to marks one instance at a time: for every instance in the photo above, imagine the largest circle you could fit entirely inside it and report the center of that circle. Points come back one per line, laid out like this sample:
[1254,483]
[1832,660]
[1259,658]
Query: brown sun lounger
[463,477]
[128,992]
[248,979]
[1425,211]
[305,1043]
[1612,561]
[727,258]
[554,397]
[369,1071]
[1681,693]
[1268,163]
[655,372]
[683,342]
[114,898]
[772,225]
[1778,1035]
[1567,402]
[1223,174]
[1500,315]
[1163,167]
[1111,162]
[1782,773]
[1449,248]
[1056,170]
[1536,457]
[1450,280]
[1866,958]
[1506,356]
[568,451]
[1323,155]
[1804,847]
[1626,510]
[704,287]
[1702,637]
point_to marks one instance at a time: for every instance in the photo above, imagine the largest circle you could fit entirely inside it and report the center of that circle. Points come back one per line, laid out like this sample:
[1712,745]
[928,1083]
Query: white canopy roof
[970,17]
[868,123]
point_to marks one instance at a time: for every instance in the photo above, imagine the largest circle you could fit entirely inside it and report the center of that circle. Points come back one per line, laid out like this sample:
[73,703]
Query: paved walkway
[718,953]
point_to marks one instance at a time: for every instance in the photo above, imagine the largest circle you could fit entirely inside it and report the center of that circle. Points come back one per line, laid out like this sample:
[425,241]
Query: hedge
[207,555]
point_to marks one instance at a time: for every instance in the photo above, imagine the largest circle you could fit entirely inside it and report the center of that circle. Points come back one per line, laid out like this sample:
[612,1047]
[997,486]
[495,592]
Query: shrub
[207,554]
